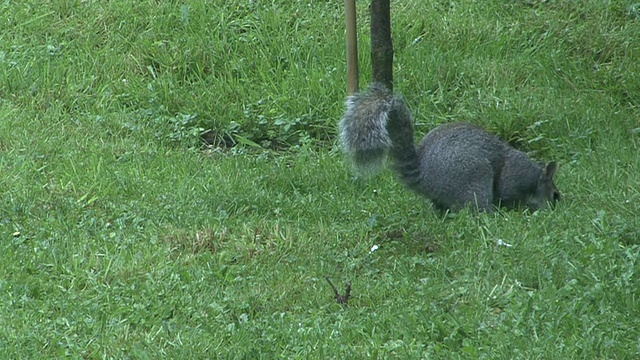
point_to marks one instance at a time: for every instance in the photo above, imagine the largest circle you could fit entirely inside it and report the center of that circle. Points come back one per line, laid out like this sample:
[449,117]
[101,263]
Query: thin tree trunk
[381,43]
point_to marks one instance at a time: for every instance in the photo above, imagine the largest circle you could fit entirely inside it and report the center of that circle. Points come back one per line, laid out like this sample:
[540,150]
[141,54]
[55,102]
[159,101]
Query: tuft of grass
[123,235]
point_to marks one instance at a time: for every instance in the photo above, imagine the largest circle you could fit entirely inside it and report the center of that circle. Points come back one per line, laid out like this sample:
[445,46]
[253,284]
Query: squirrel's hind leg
[478,195]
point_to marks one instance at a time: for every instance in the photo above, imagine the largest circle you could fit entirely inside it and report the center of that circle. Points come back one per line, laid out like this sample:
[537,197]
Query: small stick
[341,299]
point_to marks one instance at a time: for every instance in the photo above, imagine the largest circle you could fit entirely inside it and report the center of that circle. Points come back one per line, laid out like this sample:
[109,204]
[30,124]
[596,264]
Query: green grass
[122,237]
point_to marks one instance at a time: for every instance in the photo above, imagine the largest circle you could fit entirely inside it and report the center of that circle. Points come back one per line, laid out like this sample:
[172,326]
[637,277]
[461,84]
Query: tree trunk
[381,43]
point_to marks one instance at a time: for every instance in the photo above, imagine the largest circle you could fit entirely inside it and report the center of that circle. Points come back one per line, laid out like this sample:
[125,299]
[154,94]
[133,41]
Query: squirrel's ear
[551,169]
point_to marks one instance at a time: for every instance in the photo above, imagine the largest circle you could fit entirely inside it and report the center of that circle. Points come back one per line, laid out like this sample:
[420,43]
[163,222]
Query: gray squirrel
[456,165]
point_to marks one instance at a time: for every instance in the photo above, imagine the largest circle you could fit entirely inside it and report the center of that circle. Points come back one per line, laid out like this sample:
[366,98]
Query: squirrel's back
[459,164]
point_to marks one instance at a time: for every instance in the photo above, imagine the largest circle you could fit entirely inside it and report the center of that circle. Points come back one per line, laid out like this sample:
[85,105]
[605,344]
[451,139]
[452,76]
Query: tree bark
[381,43]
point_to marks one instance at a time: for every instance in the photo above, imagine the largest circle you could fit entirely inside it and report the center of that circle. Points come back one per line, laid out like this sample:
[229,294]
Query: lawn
[123,234]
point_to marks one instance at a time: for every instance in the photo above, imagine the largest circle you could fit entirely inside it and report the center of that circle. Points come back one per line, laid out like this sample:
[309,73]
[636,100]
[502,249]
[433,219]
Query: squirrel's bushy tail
[363,128]
[377,123]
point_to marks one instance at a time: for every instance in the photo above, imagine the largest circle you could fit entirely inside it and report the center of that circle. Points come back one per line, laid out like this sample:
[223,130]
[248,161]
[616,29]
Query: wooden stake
[352,47]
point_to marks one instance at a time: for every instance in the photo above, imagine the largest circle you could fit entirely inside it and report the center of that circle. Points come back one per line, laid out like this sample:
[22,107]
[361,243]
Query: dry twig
[341,299]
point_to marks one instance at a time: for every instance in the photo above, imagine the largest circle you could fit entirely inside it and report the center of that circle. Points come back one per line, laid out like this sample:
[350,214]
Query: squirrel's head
[546,193]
